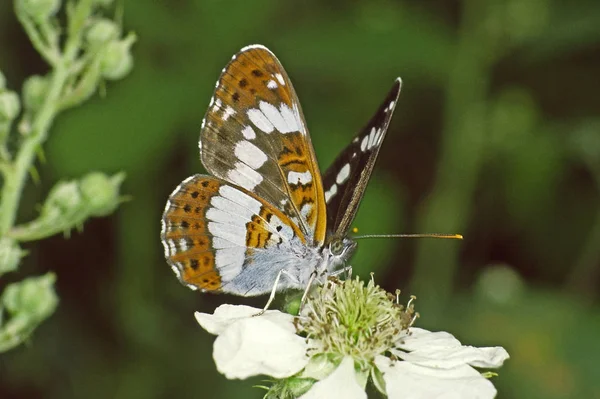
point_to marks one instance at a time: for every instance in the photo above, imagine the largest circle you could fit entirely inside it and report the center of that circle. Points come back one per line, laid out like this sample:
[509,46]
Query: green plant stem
[17,171]
[462,145]
[76,22]
[49,51]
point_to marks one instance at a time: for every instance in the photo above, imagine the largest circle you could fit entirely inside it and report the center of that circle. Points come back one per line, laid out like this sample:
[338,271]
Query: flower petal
[442,350]
[258,345]
[339,384]
[418,338]
[226,314]
[410,381]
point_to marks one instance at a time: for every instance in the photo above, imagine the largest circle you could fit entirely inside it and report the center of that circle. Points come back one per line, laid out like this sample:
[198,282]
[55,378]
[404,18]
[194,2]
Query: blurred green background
[496,136]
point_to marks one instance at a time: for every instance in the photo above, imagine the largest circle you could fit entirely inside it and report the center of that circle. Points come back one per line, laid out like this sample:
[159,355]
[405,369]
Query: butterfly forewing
[212,231]
[254,136]
[346,179]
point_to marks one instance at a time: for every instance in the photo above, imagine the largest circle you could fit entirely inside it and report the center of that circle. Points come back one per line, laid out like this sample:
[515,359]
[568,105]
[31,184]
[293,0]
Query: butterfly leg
[347,270]
[273,292]
[313,275]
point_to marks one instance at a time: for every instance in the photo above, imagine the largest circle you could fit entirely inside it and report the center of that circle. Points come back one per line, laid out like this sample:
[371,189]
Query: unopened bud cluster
[39,10]
[70,203]
[82,48]
[25,305]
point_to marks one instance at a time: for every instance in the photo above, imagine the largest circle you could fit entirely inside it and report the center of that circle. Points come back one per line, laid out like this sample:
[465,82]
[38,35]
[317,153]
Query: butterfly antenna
[427,235]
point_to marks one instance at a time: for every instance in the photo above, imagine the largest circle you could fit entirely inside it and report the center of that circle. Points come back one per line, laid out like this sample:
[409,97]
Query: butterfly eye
[336,247]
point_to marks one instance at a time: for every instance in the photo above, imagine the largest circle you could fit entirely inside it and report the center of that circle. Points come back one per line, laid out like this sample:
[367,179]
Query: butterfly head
[338,252]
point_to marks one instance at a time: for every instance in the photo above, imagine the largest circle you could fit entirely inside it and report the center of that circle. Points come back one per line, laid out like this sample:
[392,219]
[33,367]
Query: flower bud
[70,203]
[101,193]
[117,60]
[102,31]
[64,199]
[33,298]
[9,106]
[10,255]
[39,10]
[34,92]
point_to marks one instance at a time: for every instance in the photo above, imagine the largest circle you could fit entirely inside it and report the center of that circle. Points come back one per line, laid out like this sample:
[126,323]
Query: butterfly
[265,220]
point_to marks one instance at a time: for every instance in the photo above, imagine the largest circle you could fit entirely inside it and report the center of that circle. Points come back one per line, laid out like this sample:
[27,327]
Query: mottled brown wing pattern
[212,229]
[254,136]
[187,243]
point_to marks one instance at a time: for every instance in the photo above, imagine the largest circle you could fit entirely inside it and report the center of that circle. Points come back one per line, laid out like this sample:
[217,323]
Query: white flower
[335,357]
[247,346]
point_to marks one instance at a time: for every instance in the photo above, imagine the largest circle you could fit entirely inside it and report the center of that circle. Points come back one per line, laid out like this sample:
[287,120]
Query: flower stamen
[350,319]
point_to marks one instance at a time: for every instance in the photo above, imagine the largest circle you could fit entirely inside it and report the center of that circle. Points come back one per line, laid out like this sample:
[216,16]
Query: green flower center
[347,318]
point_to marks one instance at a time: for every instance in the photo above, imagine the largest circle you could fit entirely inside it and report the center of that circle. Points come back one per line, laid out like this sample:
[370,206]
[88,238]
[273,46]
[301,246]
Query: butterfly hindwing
[346,179]
[254,136]
[212,231]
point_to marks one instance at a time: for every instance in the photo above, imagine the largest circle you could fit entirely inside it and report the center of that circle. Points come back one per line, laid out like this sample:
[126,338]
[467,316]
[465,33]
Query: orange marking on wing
[294,157]
[245,82]
[182,226]
[194,244]
[201,272]
[259,235]
[192,199]
[321,225]
[188,233]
